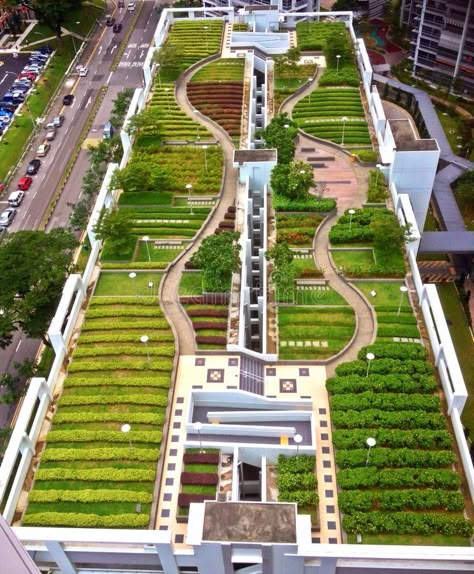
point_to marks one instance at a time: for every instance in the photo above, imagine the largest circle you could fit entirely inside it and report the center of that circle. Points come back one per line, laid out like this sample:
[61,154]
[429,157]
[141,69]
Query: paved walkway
[174,312]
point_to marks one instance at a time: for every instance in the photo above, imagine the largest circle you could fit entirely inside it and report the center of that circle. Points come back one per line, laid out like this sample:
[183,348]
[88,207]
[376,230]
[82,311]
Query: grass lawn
[405,540]
[387,293]
[347,260]
[164,255]
[452,124]
[463,344]
[121,284]
[191,284]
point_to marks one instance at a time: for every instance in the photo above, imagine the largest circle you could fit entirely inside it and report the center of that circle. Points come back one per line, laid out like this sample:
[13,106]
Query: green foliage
[160,382]
[345,77]
[114,228]
[309,204]
[366,155]
[297,481]
[395,500]
[370,477]
[107,417]
[161,350]
[395,383]
[292,180]
[96,474]
[300,464]
[71,436]
[144,399]
[218,257]
[277,136]
[312,36]
[406,523]
[284,272]
[385,366]
[68,454]
[395,457]
[78,520]
[394,438]
[374,418]
[87,496]
[386,401]
[377,190]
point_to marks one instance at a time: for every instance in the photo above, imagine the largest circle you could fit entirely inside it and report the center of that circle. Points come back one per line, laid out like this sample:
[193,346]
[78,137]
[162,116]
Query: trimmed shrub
[184,499]
[104,365]
[108,350]
[385,366]
[395,457]
[352,384]
[88,496]
[199,478]
[211,340]
[91,417]
[300,464]
[79,520]
[208,299]
[355,500]
[394,438]
[206,312]
[374,418]
[371,477]
[403,351]
[97,474]
[144,399]
[386,401]
[201,457]
[106,453]
[71,436]
[159,382]
[312,204]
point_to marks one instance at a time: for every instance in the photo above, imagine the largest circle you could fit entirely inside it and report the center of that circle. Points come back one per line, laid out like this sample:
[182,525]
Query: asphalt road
[85,90]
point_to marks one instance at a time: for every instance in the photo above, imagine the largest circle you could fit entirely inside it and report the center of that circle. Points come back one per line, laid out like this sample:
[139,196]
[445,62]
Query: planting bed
[297,482]
[199,479]
[92,474]
[312,36]
[210,325]
[297,229]
[406,484]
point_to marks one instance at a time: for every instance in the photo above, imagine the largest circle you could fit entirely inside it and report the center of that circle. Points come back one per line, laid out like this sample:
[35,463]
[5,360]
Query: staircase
[251,375]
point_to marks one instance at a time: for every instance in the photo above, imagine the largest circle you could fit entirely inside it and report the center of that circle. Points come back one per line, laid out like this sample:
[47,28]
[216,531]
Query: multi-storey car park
[314,428]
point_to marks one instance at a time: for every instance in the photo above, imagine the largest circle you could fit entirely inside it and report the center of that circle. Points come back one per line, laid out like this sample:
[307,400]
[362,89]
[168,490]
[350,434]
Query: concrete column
[167,558]
[57,553]
[439,355]
[267,557]
[57,342]
[210,558]
[463,40]
[26,444]
[328,565]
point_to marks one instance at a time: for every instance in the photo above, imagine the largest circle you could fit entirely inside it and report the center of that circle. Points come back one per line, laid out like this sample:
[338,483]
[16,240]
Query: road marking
[114,47]
[18,346]
[4,78]
[88,101]
[127,55]
[132,46]
[100,50]
[142,53]
[108,79]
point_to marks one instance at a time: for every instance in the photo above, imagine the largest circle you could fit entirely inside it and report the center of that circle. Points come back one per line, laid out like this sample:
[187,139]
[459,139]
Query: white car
[43,150]
[83,71]
[131,6]
[7,217]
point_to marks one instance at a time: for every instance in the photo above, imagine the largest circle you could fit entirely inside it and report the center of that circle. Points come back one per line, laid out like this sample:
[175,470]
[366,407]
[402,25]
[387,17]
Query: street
[85,90]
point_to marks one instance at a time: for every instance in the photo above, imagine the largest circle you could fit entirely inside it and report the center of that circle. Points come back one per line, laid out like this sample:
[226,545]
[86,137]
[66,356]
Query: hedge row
[107,453]
[77,435]
[385,366]
[312,204]
[208,312]
[119,300]
[113,311]
[397,330]
[87,495]
[378,419]
[211,340]
[413,499]
[113,325]
[201,457]
[184,499]
[155,336]
[78,520]
[62,418]
[135,264]
[371,477]
[145,399]
[104,365]
[296,464]
[97,474]
[199,478]
[302,481]
[407,523]
[352,384]
[297,481]
[109,381]
[386,402]
[395,457]
[137,350]
[394,438]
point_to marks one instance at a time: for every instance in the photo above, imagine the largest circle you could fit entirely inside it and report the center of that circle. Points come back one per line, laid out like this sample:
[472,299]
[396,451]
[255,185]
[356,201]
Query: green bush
[367,155]
[299,464]
[107,453]
[394,438]
[142,311]
[352,384]
[135,265]
[374,418]
[396,330]
[385,401]
[153,365]
[351,501]
[97,474]
[91,417]
[385,366]
[158,382]
[71,436]
[407,523]
[371,477]
[78,520]
[343,77]
[127,323]
[98,399]
[299,481]
[132,301]
[138,349]
[411,351]
[303,498]
[312,204]
[395,457]
[88,496]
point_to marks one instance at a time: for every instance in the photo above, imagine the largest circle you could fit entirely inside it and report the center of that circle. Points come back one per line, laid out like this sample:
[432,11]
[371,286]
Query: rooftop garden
[199,479]
[297,482]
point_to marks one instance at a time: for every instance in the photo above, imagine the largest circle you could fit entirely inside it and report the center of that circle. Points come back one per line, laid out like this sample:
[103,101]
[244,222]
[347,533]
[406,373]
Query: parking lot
[8,63]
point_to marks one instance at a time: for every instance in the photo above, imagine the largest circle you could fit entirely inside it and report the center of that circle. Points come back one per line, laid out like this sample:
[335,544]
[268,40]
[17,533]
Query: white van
[131,6]
[16,198]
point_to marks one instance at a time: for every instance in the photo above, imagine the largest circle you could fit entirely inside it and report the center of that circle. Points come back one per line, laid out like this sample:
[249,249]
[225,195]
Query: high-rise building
[442,41]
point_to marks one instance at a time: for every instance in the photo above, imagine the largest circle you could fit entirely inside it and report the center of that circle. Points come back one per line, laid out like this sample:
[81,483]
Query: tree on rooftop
[34,266]
[337,44]
[114,227]
[283,273]
[277,136]
[293,180]
[218,257]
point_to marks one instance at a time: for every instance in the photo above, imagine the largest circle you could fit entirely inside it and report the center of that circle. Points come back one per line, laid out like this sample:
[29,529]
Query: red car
[25,183]
[30,75]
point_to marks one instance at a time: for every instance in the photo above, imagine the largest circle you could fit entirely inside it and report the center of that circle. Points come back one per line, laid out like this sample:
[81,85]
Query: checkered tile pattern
[215,375]
[287,385]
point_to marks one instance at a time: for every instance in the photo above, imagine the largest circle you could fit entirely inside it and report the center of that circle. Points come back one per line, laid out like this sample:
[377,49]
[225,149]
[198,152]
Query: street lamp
[198,427]
[297,438]
[126,429]
[159,74]
[370,443]
[197,125]
[207,43]
[370,357]
[403,290]
[338,57]
[344,120]
[150,285]
[351,213]
[144,339]
[379,166]
[204,147]
[167,100]
[146,239]
[189,188]
[133,276]
[310,80]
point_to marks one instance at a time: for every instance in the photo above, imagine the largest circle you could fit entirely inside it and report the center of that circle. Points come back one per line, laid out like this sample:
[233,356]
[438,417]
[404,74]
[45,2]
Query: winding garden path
[174,311]
[348,195]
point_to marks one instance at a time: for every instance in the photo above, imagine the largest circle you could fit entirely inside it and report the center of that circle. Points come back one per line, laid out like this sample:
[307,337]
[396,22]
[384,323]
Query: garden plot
[297,482]
[311,36]
[406,485]
[164,223]
[297,230]
[320,114]
[199,479]
[188,42]
[92,474]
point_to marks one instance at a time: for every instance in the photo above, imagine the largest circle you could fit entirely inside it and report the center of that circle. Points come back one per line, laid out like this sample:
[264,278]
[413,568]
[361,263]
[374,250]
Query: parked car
[110,21]
[117,28]
[50,134]
[33,167]
[30,75]
[16,198]
[8,106]
[131,6]
[25,183]
[68,99]
[83,71]
[58,121]
[18,95]
[43,150]
[7,216]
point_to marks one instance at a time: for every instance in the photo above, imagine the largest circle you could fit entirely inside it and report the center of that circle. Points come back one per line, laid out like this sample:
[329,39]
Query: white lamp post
[204,147]
[198,427]
[197,125]
[403,290]
[351,213]
[344,120]
[298,439]
[338,57]
[370,443]
[167,100]
[126,429]
[150,285]
[133,276]
[146,239]
[207,43]
[370,357]
[379,166]
[159,74]
[310,80]
[189,187]
[144,339]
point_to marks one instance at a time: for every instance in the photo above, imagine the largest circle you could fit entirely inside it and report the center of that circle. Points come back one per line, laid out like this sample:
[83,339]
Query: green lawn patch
[354,259]
[117,284]
[223,70]
[191,283]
